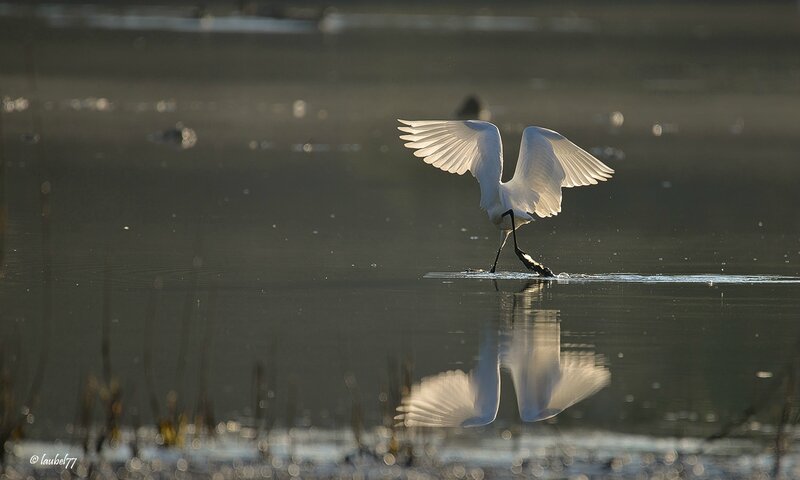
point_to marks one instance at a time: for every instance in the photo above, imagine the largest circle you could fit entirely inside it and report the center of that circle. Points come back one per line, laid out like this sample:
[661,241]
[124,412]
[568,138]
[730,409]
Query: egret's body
[547,162]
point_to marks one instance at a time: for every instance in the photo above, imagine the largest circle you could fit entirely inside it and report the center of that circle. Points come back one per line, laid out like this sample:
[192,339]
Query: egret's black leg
[497,257]
[526,259]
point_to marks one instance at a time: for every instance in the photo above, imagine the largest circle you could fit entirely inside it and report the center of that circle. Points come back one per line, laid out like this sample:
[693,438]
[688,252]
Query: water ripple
[707,278]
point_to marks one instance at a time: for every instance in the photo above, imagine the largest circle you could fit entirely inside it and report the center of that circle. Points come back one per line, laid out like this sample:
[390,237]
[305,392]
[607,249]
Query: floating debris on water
[179,136]
[30,138]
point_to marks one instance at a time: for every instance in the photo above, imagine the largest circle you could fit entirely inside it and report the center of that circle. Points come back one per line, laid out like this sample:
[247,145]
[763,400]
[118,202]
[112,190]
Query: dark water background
[315,230]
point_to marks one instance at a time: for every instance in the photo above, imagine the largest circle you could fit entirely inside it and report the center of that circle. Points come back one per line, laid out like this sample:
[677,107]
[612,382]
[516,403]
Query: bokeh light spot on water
[299,109]
[737,128]
[167,105]
[10,105]
[188,137]
[617,119]
[657,130]
[608,153]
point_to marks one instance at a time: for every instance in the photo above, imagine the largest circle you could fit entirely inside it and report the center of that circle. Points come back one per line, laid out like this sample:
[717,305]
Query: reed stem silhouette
[3,207]
[147,348]
[204,413]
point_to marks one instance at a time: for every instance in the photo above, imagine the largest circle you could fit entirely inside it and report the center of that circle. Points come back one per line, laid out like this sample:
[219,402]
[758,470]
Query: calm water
[297,231]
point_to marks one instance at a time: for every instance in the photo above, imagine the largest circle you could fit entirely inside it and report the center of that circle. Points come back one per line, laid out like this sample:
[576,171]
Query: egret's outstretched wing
[548,161]
[458,147]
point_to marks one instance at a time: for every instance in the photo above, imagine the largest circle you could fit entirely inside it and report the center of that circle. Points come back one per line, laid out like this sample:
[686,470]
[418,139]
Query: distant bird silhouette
[473,109]
[547,162]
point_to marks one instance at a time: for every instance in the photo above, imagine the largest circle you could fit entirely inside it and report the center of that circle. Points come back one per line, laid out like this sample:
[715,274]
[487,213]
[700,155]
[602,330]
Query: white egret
[547,162]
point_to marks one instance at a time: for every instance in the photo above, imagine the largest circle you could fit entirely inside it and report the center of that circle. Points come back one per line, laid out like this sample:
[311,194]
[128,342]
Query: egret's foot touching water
[526,259]
[532,264]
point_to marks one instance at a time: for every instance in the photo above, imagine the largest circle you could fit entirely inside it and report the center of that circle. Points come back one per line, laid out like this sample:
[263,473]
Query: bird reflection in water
[547,380]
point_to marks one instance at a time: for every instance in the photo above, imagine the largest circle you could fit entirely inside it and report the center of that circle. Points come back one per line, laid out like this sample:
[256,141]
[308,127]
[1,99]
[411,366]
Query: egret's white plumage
[547,162]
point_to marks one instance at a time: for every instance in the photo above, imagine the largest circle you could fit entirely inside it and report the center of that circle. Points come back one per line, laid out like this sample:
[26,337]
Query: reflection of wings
[533,358]
[455,398]
[547,381]
[449,399]
[580,378]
